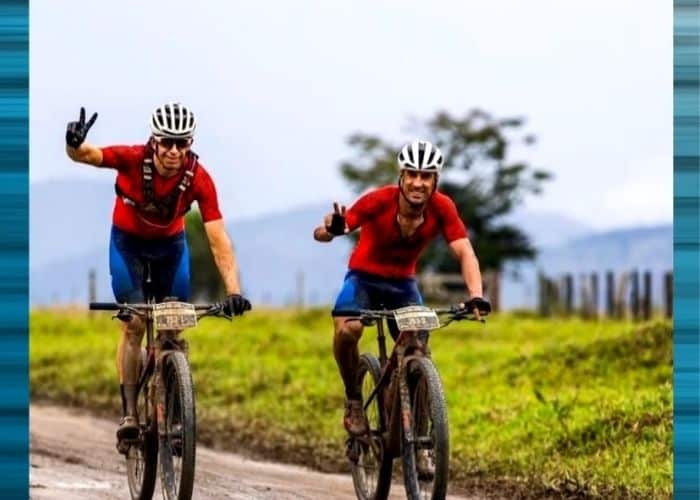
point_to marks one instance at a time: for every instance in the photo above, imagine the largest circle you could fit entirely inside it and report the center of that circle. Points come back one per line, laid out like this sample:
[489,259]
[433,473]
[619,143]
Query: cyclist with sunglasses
[156,184]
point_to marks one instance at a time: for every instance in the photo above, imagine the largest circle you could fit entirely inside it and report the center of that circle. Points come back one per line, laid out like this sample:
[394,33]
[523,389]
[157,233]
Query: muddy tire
[371,470]
[142,458]
[177,438]
[430,431]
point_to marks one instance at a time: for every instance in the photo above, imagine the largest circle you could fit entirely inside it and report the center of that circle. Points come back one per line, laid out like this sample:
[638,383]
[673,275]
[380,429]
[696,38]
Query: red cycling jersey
[128,161]
[381,249]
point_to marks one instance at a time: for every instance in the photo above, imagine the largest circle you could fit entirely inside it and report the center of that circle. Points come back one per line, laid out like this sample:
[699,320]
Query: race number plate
[174,315]
[416,318]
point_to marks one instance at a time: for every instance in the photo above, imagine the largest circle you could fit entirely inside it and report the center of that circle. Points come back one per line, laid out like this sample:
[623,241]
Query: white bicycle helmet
[173,120]
[421,155]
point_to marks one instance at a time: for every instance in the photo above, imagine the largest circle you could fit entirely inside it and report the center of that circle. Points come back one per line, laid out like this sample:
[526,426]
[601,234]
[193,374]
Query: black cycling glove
[77,131]
[337,227]
[236,304]
[482,305]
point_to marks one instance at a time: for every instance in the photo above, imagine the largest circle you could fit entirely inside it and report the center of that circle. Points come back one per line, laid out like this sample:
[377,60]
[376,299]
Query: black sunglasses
[168,142]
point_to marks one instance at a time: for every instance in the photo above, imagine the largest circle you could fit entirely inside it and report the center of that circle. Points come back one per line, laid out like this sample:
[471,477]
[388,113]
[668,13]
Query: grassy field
[538,407]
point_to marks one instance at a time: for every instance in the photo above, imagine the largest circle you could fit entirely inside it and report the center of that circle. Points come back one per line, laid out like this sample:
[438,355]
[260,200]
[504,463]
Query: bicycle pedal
[176,448]
[123,446]
[352,450]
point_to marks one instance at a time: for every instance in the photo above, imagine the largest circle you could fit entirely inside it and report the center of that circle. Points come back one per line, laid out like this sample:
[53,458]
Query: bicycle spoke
[426,455]
[371,475]
[177,439]
[141,456]
[174,430]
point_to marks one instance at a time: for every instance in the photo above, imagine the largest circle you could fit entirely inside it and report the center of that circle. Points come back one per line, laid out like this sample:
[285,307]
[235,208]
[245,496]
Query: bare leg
[129,362]
[347,354]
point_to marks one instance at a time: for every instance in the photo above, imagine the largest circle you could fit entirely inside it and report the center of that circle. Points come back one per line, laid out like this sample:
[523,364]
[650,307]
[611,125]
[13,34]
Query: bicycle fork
[401,428]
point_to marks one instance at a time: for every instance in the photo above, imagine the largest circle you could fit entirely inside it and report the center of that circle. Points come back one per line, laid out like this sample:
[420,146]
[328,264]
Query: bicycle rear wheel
[430,434]
[371,469]
[177,439]
[142,456]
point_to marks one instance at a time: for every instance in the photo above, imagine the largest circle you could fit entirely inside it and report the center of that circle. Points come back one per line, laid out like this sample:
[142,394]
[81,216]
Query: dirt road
[73,457]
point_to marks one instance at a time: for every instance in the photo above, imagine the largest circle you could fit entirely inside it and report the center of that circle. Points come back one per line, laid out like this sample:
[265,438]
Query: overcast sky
[278,86]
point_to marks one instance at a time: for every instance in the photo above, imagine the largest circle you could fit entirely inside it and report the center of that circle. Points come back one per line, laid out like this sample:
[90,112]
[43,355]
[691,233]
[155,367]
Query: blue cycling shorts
[368,291]
[168,259]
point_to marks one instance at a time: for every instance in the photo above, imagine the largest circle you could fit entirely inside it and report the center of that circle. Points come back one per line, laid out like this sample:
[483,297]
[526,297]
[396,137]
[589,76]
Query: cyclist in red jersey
[397,223]
[156,184]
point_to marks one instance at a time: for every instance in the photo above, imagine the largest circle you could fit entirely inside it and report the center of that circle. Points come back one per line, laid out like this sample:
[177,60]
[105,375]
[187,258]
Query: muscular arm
[462,251]
[224,256]
[85,153]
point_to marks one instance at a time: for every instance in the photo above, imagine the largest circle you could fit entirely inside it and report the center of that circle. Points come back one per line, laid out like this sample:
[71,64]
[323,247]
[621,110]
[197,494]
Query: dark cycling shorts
[368,291]
[168,258]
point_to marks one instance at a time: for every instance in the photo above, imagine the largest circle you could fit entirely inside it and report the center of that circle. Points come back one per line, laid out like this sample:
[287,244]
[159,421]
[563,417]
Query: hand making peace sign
[76,131]
[335,222]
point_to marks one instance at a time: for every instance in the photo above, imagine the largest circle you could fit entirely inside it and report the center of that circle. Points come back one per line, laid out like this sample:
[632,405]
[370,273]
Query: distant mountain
[640,247]
[277,257]
[69,235]
[68,218]
[546,229]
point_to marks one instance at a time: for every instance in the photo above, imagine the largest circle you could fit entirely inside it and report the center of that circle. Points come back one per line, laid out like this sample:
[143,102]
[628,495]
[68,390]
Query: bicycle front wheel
[177,439]
[426,456]
[370,466]
[142,455]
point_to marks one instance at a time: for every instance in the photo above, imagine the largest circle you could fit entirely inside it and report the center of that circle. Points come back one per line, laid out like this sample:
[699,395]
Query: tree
[483,182]
[205,279]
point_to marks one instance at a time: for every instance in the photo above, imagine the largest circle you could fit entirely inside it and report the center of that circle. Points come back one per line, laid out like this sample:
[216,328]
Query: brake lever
[218,311]
[458,316]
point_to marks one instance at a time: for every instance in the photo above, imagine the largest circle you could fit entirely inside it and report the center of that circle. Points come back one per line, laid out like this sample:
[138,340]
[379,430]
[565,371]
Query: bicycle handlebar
[214,309]
[115,306]
[104,306]
[456,313]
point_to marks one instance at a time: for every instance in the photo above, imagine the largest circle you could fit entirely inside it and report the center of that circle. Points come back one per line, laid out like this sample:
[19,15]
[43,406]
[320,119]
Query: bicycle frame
[155,357]
[158,348]
[395,405]
[406,389]
[396,415]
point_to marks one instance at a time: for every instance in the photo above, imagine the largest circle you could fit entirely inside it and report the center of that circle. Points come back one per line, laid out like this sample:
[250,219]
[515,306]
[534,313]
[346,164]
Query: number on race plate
[416,318]
[174,315]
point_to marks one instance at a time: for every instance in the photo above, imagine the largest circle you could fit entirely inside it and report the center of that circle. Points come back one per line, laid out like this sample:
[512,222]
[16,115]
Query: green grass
[548,407]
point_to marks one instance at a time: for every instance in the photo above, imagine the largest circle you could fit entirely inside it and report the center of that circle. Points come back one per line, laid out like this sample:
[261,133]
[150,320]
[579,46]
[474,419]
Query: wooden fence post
[92,288]
[585,303]
[668,294]
[634,295]
[568,294]
[543,295]
[646,296]
[495,292]
[620,294]
[594,295]
[610,294]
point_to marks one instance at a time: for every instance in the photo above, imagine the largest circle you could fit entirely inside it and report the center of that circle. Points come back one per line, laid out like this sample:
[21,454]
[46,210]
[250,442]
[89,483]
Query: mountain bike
[166,403]
[405,406]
